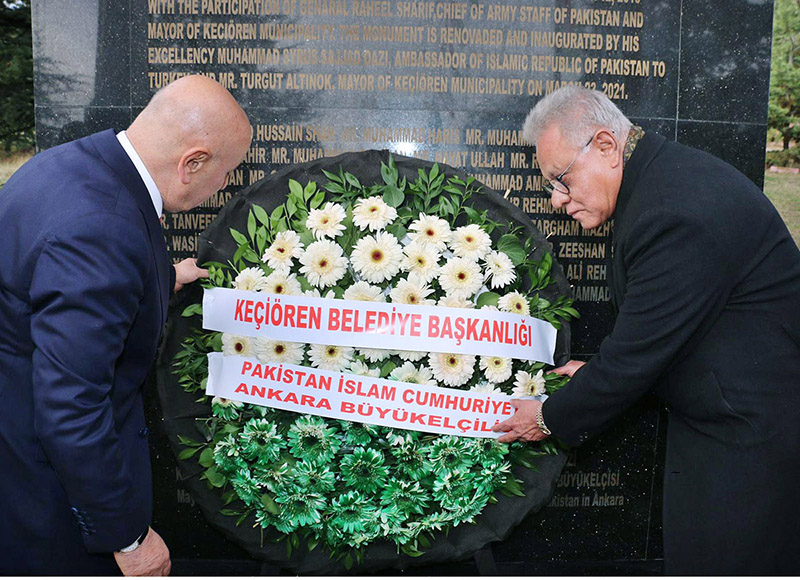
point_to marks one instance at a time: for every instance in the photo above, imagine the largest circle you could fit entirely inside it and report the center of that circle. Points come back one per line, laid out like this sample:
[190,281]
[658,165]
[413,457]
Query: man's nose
[558,199]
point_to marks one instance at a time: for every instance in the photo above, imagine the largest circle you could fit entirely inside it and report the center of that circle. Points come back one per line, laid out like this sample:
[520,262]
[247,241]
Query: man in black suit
[706,284]
[84,288]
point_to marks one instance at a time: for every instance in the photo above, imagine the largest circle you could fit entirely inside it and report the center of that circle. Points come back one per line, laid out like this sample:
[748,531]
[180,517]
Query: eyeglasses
[556,184]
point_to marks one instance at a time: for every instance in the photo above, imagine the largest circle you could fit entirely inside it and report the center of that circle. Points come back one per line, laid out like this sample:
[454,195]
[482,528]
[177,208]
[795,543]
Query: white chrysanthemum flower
[487,388]
[409,373]
[373,213]
[496,369]
[491,307]
[375,354]
[358,367]
[515,302]
[451,369]
[234,344]
[279,351]
[527,385]
[470,242]
[281,282]
[377,258]
[422,260]
[455,302]
[326,222]
[500,269]
[330,357]
[460,277]
[324,263]
[411,291]
[315,293]
[284,248]
[250,279]
[430,229]
[411,355]
[365,292]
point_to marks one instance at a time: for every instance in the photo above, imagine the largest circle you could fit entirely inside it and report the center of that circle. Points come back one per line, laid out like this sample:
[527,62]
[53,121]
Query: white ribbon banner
[378,324]
[356,398]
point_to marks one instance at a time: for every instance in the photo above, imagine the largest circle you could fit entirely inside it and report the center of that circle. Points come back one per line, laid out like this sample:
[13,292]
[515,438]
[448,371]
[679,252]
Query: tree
[17,122]
[784,87]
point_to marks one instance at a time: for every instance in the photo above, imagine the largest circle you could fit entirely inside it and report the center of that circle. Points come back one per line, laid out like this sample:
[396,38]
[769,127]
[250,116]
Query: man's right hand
[149,559]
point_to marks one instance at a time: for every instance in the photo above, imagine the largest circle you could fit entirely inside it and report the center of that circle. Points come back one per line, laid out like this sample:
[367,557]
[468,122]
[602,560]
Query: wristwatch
[136,543]
[540,422]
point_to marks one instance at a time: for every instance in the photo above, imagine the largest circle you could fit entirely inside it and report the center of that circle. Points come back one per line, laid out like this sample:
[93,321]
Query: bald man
[84,287]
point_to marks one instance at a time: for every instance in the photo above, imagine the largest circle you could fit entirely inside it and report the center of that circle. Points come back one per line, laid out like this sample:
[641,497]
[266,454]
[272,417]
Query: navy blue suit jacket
[84,286]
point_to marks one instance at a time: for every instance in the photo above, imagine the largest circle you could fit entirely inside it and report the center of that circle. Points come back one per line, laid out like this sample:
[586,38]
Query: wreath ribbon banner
[358,398]
[334,321]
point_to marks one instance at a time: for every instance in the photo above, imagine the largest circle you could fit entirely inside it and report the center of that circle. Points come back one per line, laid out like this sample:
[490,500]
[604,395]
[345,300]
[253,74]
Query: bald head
[190,135]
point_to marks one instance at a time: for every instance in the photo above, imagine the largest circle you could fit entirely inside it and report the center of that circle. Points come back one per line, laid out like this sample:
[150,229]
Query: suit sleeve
[85,292]
[678,281]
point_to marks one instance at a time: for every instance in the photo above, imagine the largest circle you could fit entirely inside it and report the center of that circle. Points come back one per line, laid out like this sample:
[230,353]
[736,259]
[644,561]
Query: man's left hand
[522,426]
[186,272]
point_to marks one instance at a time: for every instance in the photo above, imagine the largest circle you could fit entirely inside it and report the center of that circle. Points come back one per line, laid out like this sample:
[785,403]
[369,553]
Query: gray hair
[578,112]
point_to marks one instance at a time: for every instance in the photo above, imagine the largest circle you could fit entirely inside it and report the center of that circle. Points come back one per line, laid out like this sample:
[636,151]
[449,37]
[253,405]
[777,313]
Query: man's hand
[522,425]
[186,272]
[570,368]
[149,559]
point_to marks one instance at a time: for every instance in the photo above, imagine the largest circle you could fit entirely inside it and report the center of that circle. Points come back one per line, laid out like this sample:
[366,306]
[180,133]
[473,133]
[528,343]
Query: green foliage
[16,76]
[784,90]
[786,158]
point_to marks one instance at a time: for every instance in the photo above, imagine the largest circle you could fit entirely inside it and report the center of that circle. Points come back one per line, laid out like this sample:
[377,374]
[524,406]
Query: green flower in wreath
[466,508]
[358,434]
[227,455]
[449,453]
[227,409]
[352,512]
[246,487]
[364,469]
[273,477]
[298,508]
[452,485]
[311,438]
[492,476]
[487,451]
[405,496]
[260,441]
[313,477]
[411,461]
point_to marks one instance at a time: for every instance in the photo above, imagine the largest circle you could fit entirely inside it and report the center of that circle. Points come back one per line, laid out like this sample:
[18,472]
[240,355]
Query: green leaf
[488,298]
[238,237]
[192,309]
[295,188]
[270,505]
[261,215]
[393,196]
[251,225]
[214,477]
[348,561]
[187,453]
[511,246]
[207,457]
[317,200]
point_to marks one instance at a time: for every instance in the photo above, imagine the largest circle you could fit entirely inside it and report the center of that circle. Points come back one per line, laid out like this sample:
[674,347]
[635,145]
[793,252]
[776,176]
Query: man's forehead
[551,150]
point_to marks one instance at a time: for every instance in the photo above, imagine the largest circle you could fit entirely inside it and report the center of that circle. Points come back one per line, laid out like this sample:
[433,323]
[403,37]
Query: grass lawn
[783,189]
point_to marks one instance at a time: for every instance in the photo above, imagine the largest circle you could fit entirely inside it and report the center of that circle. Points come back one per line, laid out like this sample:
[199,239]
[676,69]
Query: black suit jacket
[706,279]
[84,287]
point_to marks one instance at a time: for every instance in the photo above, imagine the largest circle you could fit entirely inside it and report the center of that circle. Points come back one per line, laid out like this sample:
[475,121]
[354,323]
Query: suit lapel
[114,155]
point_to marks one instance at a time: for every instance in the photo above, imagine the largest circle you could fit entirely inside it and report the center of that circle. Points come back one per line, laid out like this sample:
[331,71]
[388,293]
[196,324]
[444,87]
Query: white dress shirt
[155,195]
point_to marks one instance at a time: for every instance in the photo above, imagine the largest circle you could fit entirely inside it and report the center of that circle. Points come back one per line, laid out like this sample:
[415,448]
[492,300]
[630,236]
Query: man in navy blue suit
[84,287]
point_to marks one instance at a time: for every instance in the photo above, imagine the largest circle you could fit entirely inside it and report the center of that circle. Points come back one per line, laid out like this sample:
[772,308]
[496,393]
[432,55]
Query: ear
[609,147]
[192,162]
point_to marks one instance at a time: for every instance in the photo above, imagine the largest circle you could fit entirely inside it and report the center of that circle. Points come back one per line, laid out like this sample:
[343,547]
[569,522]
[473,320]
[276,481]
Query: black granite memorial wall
[447,81]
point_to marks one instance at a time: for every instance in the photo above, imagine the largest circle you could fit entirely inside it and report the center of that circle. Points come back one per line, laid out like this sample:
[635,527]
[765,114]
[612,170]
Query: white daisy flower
[279,351]
[315,293]
[455,302]
[365,292]
[451,369]
[527,385]
[281,282]
[411,291]
[330,357]
[377,258]
[284,248]
[470,242]
[515,302]
[500,269]
[234,344]
[412,355]
[250,279]
[422,260]
[496,369]
[487,388]
[375,354]
[460,277]
[373,213]
[358,367]
[430,229]
[326,222]
[409,373]
[324,264]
